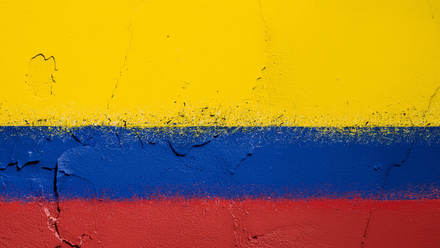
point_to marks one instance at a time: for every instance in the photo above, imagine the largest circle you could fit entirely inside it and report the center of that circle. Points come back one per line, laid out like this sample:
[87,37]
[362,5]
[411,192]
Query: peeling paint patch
[40,77]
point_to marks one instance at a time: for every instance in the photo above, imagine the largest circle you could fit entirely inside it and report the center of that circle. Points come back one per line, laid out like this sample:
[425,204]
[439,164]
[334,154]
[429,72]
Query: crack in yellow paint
[40,77]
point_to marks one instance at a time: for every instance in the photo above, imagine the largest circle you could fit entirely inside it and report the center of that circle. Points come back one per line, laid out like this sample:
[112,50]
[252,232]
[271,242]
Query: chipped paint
[40,77]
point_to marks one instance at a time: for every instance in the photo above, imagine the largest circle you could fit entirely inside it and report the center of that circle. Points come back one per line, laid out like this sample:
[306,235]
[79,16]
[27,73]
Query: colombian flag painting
[253,123]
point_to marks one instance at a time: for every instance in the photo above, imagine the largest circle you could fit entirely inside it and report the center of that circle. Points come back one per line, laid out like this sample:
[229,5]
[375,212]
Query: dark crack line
[366,228]
[142,143]
[174,151]
[238,165]
[33,162]
[76,139]
[51,87]
[386,176]
[430,100]
[123,65]
[183,155]
[396,165]
[119,139]
[91,137]
[73,175]
[79,141]
[57,197]
[63,240]
[45,59]
[235,223]
[54,66]
[432,13]
[140,140]
[11,165]
[55,188]
[200,145]
[408,151]
[262,16]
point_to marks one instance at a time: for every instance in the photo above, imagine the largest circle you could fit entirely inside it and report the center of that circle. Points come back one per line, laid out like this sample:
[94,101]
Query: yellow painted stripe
[248,62]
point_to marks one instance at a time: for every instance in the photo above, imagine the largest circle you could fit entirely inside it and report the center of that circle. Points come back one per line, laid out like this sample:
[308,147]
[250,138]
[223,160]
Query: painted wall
[220,123]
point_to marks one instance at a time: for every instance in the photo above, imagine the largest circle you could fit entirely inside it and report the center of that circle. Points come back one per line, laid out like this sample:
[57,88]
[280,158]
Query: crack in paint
[396,165]
[235,223]
[408,151]
[140,140]
[53,220]
[183,154]
[119,139]
[262,16]
[36,82]
[85,140]
[432,15]
[72,175]
[142,143]
[123,65]
[238,165]
[174,151]
[368,225]
[430,99]
[18,167]
[76,139]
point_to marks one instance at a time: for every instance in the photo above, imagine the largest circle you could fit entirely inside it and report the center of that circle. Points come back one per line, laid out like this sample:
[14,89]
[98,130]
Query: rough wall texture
[220,123]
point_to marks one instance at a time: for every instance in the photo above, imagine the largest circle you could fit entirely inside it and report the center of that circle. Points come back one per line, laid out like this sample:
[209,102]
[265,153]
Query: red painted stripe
[222,223]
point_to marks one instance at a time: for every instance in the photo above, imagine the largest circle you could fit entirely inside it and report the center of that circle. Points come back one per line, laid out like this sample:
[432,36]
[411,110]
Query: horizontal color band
[195,63]
[277,162]
[222,223]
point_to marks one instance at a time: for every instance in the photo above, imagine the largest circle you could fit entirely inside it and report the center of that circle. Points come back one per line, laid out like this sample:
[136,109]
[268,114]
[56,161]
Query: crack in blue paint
[276,162]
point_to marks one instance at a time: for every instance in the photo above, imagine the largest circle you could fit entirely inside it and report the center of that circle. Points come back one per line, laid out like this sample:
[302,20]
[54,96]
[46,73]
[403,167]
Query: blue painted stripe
[277,162]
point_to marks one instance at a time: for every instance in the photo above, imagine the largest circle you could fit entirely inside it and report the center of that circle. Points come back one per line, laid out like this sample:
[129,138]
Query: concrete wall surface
[253,123]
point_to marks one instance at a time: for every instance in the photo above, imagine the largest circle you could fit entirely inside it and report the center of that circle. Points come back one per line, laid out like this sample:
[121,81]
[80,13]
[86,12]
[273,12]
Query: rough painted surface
[248,63]
[222,223]
[254,123]
[220,187]
[230,163]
